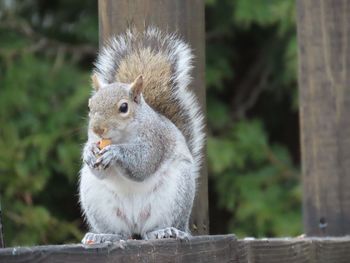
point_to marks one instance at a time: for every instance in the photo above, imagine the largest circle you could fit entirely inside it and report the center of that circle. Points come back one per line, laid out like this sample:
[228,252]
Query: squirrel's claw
[89,155]
[106,149]
[102,163]
[168,232]
[106,157]
[93,238]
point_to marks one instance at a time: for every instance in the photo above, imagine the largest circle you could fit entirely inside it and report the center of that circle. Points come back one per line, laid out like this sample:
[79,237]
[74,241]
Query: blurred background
[46,53]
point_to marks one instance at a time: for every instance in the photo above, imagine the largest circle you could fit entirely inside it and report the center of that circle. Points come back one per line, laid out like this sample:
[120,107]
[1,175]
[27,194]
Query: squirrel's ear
[136,88]
[96,82]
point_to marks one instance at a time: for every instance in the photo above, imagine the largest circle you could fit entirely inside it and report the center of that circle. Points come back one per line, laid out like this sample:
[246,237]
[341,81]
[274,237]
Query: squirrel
[143,184]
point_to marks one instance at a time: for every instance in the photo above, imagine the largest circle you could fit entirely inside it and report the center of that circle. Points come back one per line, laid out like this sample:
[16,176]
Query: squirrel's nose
[98,130]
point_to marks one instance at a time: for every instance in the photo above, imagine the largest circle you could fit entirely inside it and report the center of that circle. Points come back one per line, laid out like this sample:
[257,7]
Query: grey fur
[142,155]
[180,57]
[145,145]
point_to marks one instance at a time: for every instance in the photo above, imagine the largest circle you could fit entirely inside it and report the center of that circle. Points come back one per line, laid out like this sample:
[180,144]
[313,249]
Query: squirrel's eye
[123,108]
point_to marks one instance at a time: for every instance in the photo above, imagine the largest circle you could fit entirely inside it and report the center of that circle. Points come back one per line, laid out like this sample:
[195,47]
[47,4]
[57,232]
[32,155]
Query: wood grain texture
[187,19]
[197,249]
[324,83]
[275,251]
[294,250]
[332,250]
[224,248]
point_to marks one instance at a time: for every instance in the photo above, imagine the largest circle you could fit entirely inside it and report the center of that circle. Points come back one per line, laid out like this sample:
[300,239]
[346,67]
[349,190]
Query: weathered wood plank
[197,249]
[324,82]
[275,250]
[294,250]
[223,248]
[332,250]
[186,18]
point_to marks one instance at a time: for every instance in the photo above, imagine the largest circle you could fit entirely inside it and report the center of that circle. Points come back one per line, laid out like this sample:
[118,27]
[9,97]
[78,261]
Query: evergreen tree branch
[43,43]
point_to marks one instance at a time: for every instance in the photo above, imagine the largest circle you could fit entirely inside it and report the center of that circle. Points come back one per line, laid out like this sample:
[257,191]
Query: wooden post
[186,18]
[324,82]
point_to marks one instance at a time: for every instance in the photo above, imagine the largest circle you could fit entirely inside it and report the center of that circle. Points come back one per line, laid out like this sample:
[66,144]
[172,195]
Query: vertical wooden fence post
[186,18]
[324,81]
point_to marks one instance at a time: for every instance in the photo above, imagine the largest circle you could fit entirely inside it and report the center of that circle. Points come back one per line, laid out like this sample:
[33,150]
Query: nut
[103,143]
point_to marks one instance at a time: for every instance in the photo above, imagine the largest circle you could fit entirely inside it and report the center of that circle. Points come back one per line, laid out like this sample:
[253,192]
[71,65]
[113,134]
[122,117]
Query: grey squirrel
[143,184]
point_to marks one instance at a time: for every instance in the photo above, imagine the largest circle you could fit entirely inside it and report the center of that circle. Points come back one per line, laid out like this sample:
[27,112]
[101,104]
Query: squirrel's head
[113,106]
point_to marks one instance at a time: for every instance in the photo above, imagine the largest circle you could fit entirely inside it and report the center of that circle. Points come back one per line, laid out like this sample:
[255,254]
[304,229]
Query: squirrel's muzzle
[99,130]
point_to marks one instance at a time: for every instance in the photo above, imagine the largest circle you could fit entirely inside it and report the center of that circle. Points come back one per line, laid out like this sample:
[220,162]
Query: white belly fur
[116,204]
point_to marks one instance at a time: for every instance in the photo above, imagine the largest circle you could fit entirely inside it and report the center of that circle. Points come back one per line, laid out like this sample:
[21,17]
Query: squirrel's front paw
[89,155]
[106,156]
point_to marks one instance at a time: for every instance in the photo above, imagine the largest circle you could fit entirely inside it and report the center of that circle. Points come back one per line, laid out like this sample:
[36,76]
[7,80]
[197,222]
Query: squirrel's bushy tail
[165,61]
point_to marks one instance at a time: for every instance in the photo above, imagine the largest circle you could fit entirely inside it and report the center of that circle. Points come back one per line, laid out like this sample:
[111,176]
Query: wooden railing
[224,248]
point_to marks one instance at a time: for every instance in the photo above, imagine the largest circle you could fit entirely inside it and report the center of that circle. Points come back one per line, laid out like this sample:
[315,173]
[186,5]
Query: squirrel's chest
[121,207]
[134,213]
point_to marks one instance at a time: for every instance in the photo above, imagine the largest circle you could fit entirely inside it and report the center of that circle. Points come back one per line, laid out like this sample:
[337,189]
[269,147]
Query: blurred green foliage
[46,52]
[252,108]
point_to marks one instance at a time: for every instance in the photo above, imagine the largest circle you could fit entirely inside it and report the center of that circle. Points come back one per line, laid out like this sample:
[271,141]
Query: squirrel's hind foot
[93,238]
[168,232]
